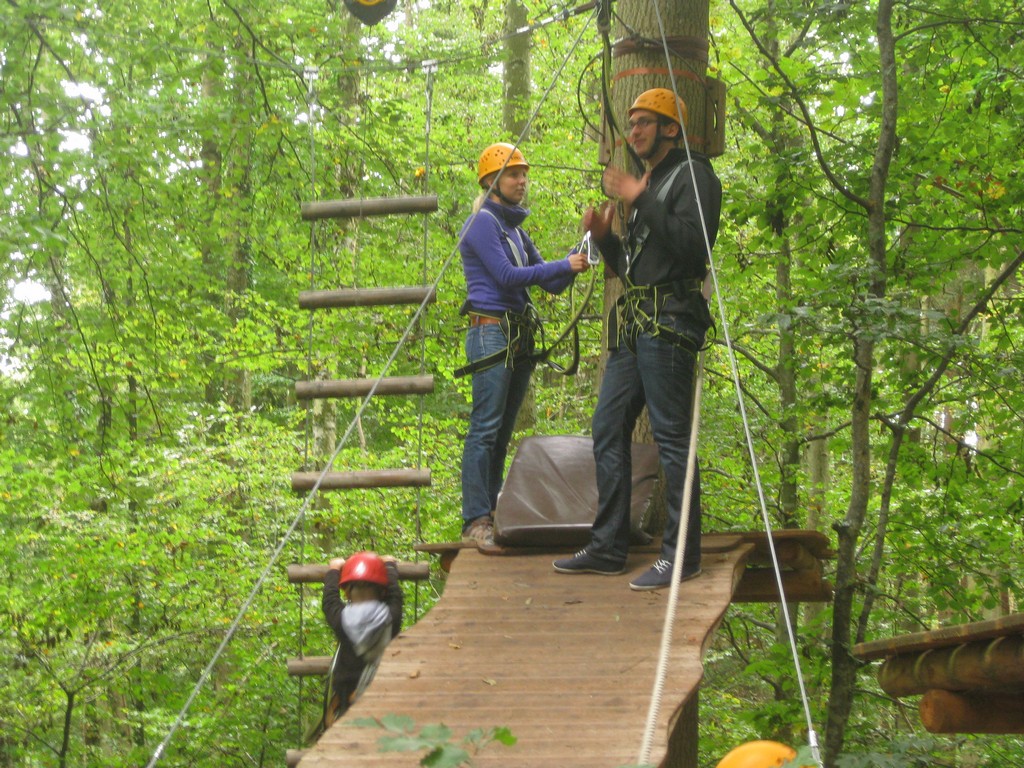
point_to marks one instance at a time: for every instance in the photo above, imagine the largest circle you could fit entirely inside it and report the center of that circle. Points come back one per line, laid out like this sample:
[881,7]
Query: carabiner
[585,246]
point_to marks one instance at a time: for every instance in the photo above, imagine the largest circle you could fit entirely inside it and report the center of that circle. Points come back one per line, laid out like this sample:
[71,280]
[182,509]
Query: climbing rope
[312,74]
[429,68]
[575,315]
[670,613]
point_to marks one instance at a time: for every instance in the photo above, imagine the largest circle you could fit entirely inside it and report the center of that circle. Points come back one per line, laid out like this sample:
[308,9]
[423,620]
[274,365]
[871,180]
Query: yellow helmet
[757,754]
[493,159]
[661,101]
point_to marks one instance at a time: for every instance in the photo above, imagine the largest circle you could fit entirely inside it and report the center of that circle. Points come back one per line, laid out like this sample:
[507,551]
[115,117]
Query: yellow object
[493,159]
[757,754]
[661,101]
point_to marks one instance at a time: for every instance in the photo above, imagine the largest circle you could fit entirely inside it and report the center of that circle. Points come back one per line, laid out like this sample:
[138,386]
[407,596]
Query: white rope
[680,544]
[413,321]
[312,75]
[661,671]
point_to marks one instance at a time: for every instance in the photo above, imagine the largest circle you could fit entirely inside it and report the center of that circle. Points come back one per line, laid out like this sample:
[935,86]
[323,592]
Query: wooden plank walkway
[566,662]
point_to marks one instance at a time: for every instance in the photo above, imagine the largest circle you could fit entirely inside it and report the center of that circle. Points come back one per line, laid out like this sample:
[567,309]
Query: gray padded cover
[550,493]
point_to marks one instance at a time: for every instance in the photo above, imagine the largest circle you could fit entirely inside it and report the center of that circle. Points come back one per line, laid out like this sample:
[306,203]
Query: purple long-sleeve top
[495,282]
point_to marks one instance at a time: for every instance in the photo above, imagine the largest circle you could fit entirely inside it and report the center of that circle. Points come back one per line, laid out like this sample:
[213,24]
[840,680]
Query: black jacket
[673,250]
[350,666]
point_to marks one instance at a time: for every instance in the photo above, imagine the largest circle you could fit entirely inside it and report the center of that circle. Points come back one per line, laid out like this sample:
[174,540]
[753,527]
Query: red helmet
[364,566]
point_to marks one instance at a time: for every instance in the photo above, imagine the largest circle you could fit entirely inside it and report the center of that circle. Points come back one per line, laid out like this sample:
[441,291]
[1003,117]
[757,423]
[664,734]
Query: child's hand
[336,564]
[388,558]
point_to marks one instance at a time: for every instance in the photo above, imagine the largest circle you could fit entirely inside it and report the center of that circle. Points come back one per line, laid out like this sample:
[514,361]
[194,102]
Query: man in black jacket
[661,322]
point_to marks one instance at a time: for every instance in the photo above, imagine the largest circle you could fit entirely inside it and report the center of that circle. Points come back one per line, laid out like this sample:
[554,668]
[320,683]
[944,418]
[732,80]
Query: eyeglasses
[641,122]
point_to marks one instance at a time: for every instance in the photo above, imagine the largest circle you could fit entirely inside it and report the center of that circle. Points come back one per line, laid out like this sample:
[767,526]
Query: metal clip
[586,246]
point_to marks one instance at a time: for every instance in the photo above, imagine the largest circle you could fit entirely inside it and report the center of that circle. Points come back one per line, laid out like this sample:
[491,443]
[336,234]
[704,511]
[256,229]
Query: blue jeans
[661,376]
[498,393]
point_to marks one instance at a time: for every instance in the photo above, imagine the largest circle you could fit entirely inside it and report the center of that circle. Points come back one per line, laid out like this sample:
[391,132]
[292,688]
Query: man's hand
[625,186]
[599,222]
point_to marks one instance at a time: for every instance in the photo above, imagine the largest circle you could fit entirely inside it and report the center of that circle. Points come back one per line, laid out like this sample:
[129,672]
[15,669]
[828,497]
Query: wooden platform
[970,676]
[566,662]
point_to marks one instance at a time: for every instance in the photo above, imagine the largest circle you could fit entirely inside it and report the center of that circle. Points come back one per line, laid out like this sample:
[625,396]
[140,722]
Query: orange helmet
[493,159]
[758,754]
[364,566]
[661,101]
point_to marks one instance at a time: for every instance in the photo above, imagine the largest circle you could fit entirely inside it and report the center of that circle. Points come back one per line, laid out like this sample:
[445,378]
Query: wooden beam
[792,555]
[369,206]
[996,666]
[314,573]
[368,478]
[293,756]
[814,542]
[309,666]
[957,634]
[759,585]
[948,712]
[447,551]
[392,385]
[366,297]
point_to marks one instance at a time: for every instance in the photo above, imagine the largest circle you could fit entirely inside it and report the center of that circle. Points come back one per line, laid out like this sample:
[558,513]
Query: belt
[484,320]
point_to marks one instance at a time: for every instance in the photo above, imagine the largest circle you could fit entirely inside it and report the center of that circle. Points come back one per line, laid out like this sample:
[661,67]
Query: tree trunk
[636,69]
[516,76]
[844,666]
[515,115]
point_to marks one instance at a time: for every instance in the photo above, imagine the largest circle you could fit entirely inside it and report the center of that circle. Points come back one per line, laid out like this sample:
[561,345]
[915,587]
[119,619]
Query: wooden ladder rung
[369,206]
[367,297]
[365,478]
[393,385]
[314,573]
[309,666]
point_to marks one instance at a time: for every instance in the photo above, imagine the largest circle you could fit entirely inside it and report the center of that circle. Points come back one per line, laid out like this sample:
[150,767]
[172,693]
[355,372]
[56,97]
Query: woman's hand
[578,262]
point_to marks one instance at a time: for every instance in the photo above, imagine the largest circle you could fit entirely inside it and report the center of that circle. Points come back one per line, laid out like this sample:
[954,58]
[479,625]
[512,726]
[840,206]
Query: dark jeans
[498,393]
[662,376]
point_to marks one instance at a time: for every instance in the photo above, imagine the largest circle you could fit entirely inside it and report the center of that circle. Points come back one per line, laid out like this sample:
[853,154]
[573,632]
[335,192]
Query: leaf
[447,756]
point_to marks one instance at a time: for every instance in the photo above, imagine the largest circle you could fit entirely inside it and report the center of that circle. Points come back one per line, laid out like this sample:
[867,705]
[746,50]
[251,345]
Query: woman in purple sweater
[500,263]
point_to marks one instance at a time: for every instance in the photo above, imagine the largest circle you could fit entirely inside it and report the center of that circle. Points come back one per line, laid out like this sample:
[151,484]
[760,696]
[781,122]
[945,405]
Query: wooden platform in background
[566,662]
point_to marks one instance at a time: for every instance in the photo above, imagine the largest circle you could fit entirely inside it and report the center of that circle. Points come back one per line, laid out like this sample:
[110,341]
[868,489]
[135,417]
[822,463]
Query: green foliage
[154,161]
[435,739]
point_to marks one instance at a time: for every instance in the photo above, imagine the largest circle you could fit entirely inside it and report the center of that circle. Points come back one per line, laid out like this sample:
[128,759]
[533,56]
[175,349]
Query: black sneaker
[659,576]
[584,562]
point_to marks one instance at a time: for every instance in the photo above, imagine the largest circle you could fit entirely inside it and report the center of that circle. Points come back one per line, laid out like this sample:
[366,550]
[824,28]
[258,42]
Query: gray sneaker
[480,532]
[659,576]
[584,562]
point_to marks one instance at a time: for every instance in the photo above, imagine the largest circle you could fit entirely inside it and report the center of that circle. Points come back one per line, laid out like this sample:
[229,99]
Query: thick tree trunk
[516,104]
[637,68]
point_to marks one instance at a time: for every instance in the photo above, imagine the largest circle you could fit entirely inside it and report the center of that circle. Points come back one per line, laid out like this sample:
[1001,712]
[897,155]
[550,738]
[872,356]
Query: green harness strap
[631,317]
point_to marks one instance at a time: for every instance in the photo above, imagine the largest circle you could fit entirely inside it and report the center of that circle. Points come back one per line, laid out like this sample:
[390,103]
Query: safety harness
[638,310]
[524,329]
[521,330]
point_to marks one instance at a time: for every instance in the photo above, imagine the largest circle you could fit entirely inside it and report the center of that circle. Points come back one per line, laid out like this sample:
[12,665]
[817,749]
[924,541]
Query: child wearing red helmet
[363,623]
